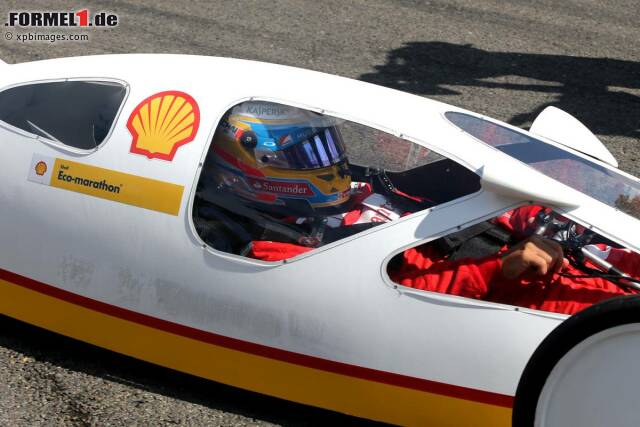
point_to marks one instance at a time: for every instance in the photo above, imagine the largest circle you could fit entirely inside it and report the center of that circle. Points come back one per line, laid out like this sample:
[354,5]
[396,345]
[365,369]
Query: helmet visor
[321,149]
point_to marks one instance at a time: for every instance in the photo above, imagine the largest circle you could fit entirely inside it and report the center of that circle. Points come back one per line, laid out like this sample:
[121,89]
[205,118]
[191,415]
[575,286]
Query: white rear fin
[563,128]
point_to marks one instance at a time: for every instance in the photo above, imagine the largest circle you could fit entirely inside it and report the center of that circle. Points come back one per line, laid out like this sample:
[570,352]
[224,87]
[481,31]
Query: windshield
[590,178]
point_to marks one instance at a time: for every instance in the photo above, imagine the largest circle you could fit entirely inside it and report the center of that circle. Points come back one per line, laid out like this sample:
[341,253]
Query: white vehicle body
[328,328]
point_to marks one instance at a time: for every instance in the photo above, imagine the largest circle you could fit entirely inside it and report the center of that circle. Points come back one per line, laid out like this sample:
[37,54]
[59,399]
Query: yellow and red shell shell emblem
[41,168]
[162,123]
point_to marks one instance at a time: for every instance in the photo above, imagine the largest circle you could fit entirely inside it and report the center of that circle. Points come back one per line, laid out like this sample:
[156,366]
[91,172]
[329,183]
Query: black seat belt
[479,240]
[228,202]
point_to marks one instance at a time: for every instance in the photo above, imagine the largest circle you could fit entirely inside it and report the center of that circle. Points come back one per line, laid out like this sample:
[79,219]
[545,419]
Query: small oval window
[77,114]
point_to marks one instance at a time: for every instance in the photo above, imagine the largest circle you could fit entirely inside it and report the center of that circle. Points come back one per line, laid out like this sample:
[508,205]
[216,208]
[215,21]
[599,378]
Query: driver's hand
[533,257]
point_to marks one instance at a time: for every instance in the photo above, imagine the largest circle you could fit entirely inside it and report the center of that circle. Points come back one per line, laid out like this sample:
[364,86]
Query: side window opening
[529,257]
[77,114]
[279,181]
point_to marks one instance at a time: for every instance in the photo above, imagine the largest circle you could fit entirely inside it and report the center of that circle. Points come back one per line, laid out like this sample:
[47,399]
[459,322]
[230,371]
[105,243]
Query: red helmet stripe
[237,163]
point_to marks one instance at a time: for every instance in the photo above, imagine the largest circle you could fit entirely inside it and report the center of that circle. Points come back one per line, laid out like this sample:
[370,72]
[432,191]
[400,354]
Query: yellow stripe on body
[117,186]
[342,393]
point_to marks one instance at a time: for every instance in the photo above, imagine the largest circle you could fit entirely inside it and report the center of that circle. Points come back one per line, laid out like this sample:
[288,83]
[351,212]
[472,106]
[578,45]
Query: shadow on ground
[601,92]
[51,348]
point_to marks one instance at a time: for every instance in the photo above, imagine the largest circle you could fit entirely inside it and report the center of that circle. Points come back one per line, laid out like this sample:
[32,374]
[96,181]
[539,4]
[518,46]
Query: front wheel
[586,372]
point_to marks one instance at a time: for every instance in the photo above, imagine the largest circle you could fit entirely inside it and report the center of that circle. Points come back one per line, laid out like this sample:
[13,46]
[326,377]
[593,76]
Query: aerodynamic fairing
[123,225]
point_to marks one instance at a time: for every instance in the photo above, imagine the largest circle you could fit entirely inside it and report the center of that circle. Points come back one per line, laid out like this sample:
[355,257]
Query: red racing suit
[424,269]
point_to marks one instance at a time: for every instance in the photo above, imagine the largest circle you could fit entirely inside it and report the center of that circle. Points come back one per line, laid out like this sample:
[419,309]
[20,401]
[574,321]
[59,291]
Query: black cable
[572,244]
[614,278]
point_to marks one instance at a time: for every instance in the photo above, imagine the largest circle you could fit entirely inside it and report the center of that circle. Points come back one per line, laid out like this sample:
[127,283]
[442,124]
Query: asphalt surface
[505,60]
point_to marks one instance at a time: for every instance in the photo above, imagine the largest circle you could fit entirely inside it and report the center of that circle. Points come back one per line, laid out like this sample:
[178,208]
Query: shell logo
[162,123]
[41,168]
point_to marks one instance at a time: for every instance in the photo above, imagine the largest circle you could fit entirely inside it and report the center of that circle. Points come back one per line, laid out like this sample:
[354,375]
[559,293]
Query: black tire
[570,333]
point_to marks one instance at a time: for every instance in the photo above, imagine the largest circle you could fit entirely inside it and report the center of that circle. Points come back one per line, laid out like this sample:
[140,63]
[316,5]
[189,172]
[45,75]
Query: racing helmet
[282,156]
